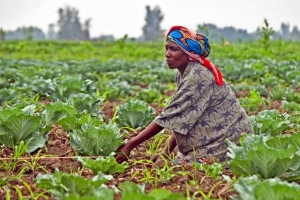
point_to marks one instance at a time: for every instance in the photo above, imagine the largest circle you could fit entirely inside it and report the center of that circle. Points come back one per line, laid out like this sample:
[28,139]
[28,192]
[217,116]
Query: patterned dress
[203,114]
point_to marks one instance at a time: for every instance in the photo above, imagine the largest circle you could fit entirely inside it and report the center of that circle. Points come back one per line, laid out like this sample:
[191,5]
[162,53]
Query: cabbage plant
[64,87]
[265,156]
[18,125]
[57,111]
[150,95]
[251,188]
[72,186]
[107,164]
[270,122]
[99,140]
[134,114]
[86,102]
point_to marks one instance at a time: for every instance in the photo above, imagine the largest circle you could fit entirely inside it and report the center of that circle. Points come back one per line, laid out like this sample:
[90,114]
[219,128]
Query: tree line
[70,27]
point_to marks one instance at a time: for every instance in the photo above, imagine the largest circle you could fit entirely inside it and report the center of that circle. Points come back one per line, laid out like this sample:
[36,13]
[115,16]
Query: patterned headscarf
[196,46]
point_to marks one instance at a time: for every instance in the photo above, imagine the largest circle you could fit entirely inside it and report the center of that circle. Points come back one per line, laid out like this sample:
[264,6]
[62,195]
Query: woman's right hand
[122,153]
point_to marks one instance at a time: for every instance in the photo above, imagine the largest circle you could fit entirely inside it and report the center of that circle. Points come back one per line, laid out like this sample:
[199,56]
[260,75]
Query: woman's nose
[167,53]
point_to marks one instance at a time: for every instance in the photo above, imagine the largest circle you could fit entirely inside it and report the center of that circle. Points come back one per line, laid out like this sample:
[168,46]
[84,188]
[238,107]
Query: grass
[278,50]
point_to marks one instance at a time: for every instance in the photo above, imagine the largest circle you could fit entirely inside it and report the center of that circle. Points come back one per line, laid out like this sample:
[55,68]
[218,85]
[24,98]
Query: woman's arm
[151,130]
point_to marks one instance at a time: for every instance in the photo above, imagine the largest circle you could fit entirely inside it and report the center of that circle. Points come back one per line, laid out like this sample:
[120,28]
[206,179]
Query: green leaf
[245,187]
[104,164]
[62,184]
[279,142]
[29,109]
[69,123]
[19,127]
[88,119]
[75,184]
[234,150]
[270,122]
[149,95]
[134,114]
[66,86]
[284,164]
[276,189]
[36,141]
[265,161]
[295,139]
[100,179]
[101,140]
[85,102]
[57,111]
[239,166]
[161,194]
[132,191]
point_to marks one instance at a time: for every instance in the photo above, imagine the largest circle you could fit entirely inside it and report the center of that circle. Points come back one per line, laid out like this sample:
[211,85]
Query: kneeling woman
[203,112]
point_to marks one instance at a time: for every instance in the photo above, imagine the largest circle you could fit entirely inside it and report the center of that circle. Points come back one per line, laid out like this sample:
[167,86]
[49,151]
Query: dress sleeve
[187,105]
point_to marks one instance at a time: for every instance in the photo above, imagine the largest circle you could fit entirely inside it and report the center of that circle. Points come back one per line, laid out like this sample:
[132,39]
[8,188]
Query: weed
[34,161]
[266,34]
[148,176]
[18,152]
[159,174]
[7,193]
[10,165]
[165,173]
[208,195]
[214,170]
[252,102]
[155,145]
[32,194]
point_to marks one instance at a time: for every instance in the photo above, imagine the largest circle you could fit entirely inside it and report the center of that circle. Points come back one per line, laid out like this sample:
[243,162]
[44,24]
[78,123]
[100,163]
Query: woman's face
[175,57]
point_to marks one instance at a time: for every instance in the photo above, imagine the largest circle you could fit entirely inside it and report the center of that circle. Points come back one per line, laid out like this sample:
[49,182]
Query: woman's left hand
[122,153]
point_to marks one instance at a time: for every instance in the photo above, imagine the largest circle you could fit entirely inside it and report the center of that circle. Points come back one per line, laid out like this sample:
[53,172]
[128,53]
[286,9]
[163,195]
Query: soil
[58,154]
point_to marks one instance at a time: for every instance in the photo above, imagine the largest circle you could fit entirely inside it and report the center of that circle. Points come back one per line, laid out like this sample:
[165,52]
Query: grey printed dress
[203,114]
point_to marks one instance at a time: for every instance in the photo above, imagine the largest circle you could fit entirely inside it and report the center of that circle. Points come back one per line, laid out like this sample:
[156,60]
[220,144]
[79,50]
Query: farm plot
[61,121]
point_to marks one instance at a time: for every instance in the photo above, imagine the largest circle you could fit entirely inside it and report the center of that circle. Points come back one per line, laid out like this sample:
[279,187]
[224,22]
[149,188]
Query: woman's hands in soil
[123,153]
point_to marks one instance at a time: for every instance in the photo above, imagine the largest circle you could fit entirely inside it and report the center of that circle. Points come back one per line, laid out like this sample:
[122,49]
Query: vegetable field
[66,107]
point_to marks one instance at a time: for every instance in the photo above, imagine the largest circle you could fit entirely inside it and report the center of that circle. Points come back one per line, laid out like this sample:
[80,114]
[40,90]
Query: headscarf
[196,46]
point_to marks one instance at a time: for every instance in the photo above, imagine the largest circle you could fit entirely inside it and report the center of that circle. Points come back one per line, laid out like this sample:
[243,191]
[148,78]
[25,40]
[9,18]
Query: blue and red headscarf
[196,46]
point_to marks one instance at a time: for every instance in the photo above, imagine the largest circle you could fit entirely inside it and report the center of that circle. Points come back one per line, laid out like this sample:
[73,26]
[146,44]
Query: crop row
[36,95]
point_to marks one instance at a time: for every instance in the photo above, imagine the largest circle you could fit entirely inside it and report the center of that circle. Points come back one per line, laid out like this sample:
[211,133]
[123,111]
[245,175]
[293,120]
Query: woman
[203,112]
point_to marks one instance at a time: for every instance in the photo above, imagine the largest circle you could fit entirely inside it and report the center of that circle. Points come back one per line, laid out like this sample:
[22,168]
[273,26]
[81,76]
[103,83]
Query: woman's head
[176,58]
[192,43]
[194,47]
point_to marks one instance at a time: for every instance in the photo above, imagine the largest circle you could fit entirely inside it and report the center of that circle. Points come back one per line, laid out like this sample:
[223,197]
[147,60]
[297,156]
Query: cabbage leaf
[99,140]
[134,114]
[18,125]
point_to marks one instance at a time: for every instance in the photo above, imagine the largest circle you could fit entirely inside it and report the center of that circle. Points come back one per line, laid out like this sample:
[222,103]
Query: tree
[266,35]
[51,32]
[25,33]
[69,26]
[86,29]
[2,34]
[295,34]
[153,19]
[29,33]
[285,29]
